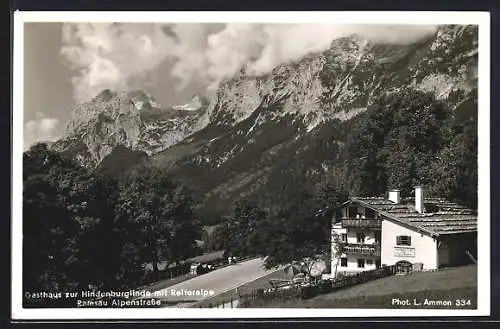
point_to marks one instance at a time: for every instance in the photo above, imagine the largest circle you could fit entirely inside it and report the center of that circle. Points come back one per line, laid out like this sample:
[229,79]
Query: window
[377,263]
[369,262]
[378,237]
[352,211]
[403,240]
[344,237]
[361,263]
[343,262]
[360,237]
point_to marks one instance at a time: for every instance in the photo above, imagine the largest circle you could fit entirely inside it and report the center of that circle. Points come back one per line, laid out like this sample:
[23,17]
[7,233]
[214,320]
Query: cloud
[42,129]
[115,55]
[108,55]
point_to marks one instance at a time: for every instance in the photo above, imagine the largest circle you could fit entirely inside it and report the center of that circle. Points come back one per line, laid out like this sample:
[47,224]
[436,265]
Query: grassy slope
[448,284]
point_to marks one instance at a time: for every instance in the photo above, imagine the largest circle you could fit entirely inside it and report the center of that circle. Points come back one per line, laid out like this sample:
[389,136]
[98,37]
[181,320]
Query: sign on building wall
[404,252]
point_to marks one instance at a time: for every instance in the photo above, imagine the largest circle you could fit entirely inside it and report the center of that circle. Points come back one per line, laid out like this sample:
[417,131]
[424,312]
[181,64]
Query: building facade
[359,233]
[426,233]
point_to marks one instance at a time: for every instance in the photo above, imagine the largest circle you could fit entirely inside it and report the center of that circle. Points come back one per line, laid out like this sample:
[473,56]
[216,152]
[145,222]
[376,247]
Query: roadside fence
[306,291]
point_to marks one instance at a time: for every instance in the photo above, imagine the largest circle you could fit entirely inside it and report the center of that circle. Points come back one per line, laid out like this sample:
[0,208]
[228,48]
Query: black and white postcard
[172,165]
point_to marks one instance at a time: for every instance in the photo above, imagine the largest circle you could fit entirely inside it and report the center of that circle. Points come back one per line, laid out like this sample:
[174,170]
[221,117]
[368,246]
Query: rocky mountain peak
[142,100]
[108,106]
[131,119]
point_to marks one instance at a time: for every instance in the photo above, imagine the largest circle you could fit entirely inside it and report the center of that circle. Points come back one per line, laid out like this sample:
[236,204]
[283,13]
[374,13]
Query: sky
[69,63]
[49,92]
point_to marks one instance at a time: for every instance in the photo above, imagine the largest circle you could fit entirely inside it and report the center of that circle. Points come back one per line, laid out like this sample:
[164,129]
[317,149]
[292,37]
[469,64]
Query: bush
[325,287]
[309,292]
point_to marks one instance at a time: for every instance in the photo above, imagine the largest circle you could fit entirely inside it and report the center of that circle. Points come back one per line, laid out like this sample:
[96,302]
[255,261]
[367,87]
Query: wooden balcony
[374,224]
[362,249]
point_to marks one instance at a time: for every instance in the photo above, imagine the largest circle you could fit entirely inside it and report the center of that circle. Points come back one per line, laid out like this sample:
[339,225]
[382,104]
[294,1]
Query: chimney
[394,196]
[419,199]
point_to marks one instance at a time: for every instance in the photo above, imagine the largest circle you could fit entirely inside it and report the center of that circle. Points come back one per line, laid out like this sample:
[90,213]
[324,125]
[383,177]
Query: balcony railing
[362,249]
[362,223]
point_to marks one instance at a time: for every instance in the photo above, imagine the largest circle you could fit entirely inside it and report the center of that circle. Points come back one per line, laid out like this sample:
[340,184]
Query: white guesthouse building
[424,233]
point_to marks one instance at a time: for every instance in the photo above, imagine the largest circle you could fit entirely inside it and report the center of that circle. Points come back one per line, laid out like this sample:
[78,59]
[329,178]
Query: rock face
[264,135]
[347,77]
[258,135]
[130,119]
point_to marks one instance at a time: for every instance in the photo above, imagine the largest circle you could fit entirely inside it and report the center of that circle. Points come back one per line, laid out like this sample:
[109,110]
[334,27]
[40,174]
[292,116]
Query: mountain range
[260,136]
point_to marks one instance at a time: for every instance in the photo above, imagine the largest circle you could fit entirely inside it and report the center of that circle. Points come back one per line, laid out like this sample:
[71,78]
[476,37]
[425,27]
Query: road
[213,283]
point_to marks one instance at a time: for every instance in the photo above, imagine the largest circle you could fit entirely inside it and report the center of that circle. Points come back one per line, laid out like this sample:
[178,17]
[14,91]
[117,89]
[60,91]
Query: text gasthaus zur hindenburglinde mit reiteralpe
[97,298]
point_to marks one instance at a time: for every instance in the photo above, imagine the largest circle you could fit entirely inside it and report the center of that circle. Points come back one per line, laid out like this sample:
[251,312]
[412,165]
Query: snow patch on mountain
[346,115]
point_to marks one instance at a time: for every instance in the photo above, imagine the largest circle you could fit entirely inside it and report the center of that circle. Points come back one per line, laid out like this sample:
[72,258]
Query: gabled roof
[441,217]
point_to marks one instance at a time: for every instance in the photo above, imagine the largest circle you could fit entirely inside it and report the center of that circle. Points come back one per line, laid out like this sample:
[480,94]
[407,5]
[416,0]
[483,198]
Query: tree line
[410,138]
[83,230]
[299,229]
